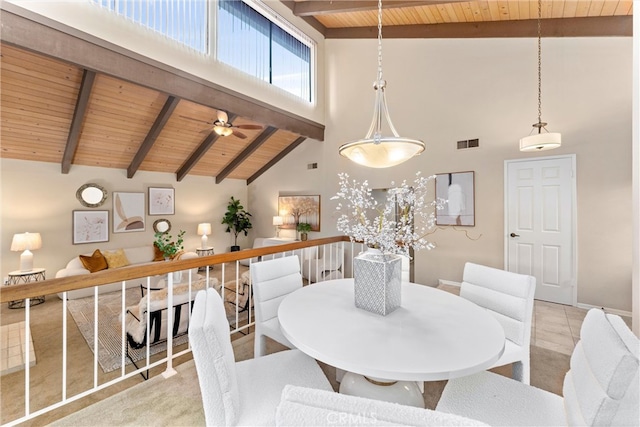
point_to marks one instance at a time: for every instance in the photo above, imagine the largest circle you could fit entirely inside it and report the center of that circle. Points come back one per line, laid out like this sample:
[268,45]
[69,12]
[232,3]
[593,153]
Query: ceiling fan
[223,127]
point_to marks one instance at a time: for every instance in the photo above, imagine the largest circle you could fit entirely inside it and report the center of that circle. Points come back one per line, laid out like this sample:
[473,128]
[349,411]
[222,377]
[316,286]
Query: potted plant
[169,248]
[304,229]
[237,221]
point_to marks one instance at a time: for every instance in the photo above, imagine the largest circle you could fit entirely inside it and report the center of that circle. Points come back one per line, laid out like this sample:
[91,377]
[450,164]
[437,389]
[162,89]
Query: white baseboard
[608,310]
[448,282]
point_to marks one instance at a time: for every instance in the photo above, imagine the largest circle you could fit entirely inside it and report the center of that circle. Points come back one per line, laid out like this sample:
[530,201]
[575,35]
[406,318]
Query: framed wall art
[128,212]
[161,201]
[458,189]
[90,227]
[297,209]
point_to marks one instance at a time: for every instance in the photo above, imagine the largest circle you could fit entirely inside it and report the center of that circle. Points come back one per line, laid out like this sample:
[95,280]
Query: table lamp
[26,242]
[203,230]
[277,222]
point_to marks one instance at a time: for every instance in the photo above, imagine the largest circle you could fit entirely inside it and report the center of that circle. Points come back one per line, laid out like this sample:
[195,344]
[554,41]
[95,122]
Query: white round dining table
[433,335]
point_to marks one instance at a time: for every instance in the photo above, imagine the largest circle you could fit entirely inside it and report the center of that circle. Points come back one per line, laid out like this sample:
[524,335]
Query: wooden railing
[62,285]
[53,286]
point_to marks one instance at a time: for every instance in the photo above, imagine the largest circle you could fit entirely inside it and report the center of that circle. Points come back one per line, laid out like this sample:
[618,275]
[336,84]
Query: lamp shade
[382,153]
[277,220]
[204,229]
[26,241]
[541,141]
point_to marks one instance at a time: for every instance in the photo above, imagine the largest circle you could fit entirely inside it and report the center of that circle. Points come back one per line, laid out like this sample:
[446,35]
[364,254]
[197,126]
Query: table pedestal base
[403,392]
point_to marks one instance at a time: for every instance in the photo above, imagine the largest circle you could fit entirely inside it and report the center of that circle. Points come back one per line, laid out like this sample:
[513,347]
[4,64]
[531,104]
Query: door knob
[514,235]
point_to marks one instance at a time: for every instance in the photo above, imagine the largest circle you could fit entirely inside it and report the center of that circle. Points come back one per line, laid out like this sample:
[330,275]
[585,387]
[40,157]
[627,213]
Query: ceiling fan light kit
[546,140]
[375,150]
[222,130]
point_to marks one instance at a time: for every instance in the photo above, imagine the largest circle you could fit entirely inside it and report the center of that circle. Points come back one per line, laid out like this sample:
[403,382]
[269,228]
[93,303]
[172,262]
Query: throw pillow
[158,255]
[116,258]
[94,262]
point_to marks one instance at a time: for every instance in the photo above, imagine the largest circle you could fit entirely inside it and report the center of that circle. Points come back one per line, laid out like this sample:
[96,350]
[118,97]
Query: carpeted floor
[177,401]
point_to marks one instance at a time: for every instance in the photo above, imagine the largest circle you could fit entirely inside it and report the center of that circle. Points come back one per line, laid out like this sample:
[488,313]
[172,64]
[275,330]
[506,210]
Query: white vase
[377,281]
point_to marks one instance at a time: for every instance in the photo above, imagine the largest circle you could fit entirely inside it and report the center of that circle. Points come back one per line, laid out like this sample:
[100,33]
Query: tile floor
[555,326]
[12,349]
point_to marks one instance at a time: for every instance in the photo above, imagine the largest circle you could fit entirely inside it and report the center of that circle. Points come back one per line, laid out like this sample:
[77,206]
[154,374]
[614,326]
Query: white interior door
[540,224]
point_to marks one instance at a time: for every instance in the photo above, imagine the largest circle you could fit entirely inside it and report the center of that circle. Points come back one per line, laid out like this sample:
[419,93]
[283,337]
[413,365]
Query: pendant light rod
[540,141]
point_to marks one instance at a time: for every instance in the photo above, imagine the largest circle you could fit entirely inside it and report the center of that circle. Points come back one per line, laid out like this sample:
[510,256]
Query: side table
[17,277]
[205,252]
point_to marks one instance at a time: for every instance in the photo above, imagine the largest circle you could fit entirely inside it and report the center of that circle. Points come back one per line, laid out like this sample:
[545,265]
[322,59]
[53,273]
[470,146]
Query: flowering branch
[402,223]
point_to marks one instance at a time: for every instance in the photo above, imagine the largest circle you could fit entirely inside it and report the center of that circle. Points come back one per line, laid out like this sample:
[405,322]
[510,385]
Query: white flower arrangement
[404,222]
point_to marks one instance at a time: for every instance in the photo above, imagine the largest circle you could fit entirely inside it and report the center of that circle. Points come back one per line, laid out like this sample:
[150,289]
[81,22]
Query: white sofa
[136,255]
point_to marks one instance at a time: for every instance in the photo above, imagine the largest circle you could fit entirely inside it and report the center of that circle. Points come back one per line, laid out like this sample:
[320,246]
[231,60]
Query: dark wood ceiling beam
[276,159]
[323,7]
[308,19]
[604,26]
[255,144]
[152,135]
[42,35]
[73,139]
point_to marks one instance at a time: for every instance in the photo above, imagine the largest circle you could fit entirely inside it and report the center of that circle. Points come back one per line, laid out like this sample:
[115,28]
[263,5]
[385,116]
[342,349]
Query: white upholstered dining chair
[509,297]
[247,392]
[272,280]
[601,387]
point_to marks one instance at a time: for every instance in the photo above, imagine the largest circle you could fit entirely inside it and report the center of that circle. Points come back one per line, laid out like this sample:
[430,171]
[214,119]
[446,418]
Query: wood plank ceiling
[59,106]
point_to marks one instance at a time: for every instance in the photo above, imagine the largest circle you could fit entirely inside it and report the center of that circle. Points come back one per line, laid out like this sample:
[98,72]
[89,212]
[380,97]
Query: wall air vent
[468,143]
[312,166]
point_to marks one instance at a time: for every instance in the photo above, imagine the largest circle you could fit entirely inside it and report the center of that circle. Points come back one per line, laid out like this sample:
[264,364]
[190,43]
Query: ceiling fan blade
[196,120]
[248,126]
[239,134]
[222,116]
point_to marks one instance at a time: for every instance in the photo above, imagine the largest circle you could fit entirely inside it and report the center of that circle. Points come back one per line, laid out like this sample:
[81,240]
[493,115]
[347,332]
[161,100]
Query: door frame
[574,216]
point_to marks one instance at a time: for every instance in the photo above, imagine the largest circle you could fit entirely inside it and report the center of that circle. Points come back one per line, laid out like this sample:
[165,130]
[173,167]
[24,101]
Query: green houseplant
[304,228]
[164,242]
[237,221]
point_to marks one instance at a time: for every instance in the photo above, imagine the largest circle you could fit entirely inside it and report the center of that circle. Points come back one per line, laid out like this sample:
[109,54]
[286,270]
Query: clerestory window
[257,41]
[185,21]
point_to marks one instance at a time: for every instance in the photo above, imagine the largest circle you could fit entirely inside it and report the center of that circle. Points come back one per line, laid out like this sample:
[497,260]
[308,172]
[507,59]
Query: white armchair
[247,392]
[509,297]
[601,387]
[272,281]
[326,266]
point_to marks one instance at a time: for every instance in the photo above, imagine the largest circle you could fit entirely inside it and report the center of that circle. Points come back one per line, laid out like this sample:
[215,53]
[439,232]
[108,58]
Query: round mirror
[91,195]
[161,225]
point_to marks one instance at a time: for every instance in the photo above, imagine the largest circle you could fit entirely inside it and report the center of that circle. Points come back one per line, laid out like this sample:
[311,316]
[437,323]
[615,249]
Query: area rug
[110,327]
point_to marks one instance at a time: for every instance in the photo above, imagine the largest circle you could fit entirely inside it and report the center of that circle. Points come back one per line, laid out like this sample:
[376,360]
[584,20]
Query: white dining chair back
[509,298]
[215,361]
[272,281]
[246,392]
[406,269]
[600,388]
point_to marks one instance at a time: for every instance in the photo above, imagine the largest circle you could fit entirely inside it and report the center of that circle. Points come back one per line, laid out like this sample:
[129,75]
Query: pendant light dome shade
[382,153]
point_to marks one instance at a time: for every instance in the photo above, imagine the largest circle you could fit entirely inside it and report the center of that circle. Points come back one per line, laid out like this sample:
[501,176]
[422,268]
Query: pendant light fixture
[375,150]
[546,140]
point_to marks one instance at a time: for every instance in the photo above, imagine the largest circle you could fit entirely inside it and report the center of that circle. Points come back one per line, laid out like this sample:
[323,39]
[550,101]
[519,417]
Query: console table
[17,277]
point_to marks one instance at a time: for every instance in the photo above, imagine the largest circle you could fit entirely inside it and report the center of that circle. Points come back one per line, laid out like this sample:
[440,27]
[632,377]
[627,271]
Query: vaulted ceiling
[76,101]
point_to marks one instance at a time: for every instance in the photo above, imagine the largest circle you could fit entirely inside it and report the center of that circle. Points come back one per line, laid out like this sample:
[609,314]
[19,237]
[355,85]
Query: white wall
[37,197]
[447,90]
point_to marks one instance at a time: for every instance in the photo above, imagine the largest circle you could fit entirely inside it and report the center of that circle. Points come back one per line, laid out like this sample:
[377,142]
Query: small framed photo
[161,201]
[90,227]
[458,190]
[128,212]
